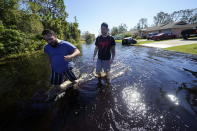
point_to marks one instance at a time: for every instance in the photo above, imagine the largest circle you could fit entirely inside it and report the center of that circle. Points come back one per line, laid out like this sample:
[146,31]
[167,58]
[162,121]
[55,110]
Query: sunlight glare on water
[173,98]
[133,100]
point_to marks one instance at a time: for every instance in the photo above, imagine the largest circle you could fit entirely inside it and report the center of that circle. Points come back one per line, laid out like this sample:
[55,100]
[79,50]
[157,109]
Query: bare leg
[75,84]
[107,77]
[98,75]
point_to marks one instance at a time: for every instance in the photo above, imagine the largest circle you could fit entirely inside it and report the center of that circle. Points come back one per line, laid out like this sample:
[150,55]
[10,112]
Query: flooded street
[151,89]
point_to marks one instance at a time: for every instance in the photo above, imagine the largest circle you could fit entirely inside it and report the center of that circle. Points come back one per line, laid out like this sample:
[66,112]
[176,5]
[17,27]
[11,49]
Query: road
[170,43]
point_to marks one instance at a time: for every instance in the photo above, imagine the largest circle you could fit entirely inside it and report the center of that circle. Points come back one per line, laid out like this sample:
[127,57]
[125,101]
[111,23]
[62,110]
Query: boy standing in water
[60,54]
[105,47]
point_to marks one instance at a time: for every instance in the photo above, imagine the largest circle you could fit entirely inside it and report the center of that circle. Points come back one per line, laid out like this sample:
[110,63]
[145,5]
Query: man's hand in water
[68,57]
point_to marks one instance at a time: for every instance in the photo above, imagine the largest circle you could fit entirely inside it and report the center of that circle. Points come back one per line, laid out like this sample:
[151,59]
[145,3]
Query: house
[174,28]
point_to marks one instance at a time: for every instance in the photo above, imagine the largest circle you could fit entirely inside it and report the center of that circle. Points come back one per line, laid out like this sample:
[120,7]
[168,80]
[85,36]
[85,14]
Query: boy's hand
[68,57]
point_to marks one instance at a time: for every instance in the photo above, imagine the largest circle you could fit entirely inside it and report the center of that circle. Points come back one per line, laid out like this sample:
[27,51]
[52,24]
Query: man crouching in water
[105,46]
[60,54]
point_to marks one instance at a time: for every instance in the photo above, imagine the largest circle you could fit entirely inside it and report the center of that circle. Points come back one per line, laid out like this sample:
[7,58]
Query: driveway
[170,43]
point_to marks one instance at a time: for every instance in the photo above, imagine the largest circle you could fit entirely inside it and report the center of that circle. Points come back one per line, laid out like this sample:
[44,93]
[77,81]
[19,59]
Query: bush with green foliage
[22,22]
[122,36]
[88,37]
[12,41]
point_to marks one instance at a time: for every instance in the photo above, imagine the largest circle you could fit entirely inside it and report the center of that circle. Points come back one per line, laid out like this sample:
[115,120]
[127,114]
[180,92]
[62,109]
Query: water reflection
[133,100]
[173,98]
[141,96]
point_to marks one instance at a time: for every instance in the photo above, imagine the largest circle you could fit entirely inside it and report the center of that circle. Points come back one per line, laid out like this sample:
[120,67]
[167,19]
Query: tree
[194,19]
[22,21]
[188,15]
[74,31]
[48,9]
[114,31]
[12,41]
[89,38]
[142,23]
[162,18]
[122,28]
[32,24]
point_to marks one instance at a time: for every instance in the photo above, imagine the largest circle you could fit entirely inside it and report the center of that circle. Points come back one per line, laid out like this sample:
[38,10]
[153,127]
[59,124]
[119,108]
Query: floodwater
[151,89]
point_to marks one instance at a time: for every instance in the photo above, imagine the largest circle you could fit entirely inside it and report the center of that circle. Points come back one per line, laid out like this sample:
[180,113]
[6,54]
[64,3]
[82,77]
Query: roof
[176,25]
[151,28]
[134,31]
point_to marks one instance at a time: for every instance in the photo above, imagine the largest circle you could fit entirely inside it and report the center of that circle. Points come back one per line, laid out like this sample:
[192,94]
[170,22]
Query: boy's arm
[74,54]
[95,52]
[96,48]
[113,51]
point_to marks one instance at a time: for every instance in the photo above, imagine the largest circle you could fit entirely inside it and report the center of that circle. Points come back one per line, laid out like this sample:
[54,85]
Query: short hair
[48,32]
[104,25]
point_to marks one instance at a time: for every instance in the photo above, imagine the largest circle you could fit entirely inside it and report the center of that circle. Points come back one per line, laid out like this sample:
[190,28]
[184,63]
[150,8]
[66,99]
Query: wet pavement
[151,89]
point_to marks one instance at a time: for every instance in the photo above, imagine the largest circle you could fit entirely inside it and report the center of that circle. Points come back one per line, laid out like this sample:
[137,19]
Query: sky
[91,13]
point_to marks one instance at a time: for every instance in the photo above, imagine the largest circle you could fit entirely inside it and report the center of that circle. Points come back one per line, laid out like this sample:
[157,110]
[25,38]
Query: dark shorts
[102,65]
[59,78]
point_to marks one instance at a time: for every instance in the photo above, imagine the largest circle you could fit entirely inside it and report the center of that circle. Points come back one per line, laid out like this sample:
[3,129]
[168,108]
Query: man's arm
[113,51]
[95,52]
[74,54]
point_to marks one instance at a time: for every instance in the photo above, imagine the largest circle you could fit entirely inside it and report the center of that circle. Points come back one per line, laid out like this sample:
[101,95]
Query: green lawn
[191,49]
[144,42]
[118,41]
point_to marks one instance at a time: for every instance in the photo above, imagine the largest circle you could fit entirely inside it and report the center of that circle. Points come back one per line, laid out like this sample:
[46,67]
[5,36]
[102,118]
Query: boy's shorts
[102,64]
[59,78]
